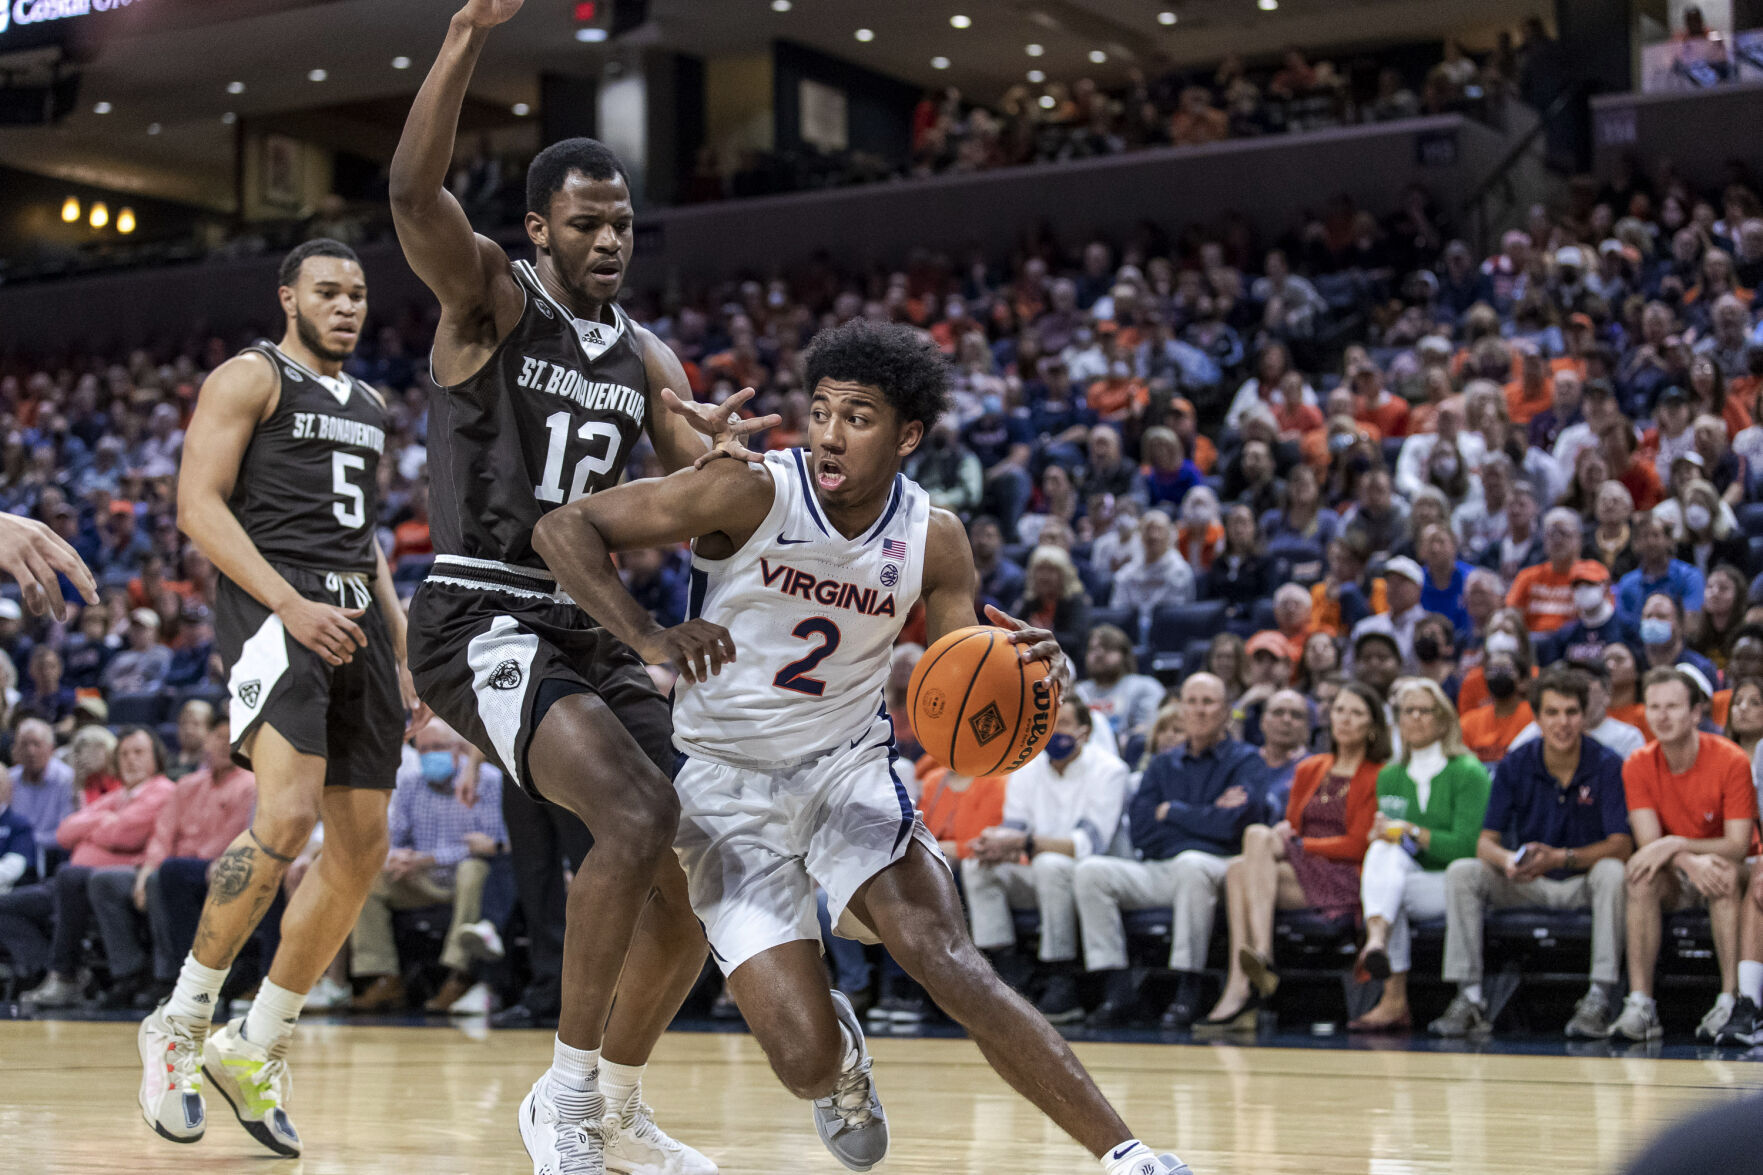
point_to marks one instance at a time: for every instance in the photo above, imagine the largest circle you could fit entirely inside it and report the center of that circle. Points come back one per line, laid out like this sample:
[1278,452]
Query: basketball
[977,707]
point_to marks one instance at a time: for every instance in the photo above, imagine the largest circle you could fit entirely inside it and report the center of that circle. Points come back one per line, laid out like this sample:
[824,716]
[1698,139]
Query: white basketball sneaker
[555,1146]
[171,1075]
[255,1081]
[635,1145]
[850,1120]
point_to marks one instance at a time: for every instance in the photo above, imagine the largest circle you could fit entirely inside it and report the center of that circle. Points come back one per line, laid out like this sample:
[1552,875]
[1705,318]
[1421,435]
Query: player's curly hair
[546,174]
[904,363]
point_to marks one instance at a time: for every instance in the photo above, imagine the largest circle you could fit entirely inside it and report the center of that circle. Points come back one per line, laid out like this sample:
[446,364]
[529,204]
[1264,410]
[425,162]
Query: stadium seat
[139,709]
[1756,567]
[1175,626]
[1751,518]
[1263,616]
[1125,619]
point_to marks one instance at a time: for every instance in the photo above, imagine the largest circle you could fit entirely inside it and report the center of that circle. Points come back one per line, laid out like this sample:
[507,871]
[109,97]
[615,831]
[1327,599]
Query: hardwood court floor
[411,1101]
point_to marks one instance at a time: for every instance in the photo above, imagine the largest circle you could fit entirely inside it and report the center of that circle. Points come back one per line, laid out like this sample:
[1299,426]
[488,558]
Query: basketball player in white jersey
[804,568]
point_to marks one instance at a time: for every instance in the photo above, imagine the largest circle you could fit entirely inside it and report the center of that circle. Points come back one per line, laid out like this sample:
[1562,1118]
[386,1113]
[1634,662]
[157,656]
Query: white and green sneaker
[171,1075]
[255,1081]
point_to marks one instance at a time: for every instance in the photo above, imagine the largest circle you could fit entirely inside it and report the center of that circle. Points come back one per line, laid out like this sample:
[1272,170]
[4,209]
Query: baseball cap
[1405,567]
[122,506]
[145,617]
[1570,255]
[1270,642]
[9,609]
[1693,457]
[97,708]
[1590,571]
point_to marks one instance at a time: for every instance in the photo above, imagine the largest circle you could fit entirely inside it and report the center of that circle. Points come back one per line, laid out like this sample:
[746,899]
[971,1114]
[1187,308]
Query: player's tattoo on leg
[232,873]
[266,850]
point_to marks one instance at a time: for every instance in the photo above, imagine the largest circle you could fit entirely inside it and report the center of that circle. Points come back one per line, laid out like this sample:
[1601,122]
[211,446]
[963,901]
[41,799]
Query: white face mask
[1587,597]
[1501,642]
[1697,516]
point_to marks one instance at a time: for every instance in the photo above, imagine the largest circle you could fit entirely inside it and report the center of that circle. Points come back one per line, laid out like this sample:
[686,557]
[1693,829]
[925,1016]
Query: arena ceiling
[167,94]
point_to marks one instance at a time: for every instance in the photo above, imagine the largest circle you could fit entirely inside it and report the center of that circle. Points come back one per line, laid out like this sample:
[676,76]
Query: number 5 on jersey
[551,488]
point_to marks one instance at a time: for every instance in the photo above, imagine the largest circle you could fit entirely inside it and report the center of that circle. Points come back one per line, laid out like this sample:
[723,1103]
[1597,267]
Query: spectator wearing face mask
[1506,633]
[1489,730]
[1662,638]
[1596,621]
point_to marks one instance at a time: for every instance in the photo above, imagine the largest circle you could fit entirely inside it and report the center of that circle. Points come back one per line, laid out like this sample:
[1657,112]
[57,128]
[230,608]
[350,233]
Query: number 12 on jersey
[551,488]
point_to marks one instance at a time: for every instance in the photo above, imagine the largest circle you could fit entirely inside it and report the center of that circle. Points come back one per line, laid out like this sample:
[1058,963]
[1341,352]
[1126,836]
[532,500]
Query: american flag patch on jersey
[894,549]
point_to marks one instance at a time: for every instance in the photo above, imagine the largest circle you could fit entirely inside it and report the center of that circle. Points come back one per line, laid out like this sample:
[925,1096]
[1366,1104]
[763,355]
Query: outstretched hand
[1036,644]
[722,424]
[487,14]
[33,555]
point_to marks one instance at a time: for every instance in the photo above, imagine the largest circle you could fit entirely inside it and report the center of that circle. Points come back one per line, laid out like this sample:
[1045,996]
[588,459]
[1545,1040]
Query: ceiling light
[521,109]
[1267,5]
[866,35]
[1166,18]
[317,75]
[70,211]
[590,34]
[101,108]
[229,118]
[1036,76]
[1035,50]
[1048,101]
[780,5]
[1097,57]
[235,87]
[400,63]
[960,21]
[154,128]
[100,215]
[939,63]
[125,221]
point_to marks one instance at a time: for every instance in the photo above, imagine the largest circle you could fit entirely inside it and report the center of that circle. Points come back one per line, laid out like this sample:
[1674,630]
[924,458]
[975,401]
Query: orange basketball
[977,707]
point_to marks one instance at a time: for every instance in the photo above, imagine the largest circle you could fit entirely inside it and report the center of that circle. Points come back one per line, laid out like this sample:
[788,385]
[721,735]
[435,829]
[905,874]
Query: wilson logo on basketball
[1040,721]
[987,725]
[506,676]
[249,692]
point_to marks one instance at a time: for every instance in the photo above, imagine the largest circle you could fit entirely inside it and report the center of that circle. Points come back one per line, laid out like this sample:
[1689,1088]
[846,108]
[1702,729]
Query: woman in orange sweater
[1310,859]
[957,808]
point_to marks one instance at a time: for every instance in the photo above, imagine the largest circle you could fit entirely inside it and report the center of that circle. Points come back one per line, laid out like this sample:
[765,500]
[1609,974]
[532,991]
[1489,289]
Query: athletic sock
[1643,1002]
[848,1057]
[273,1014]
[1472,993]
[197,990]
[574,1082]
[1725,1000]
[619,1082]
[1751,981]
[1124,1159]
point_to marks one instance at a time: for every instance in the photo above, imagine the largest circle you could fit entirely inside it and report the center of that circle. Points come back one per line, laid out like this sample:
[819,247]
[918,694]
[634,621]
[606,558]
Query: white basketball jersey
[814,617]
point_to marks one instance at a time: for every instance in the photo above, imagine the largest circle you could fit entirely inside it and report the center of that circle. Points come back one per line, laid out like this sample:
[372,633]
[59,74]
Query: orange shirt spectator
[1486,734]
[1296,418]
[1199,549]
[1116,399]
[1325,611]
[1544,595]
[411,537]
[1521,407]
[1473,693]
[1386,417]
[955,814]
[1696,804]
[1641,480]
[1361,808]
[1635,716]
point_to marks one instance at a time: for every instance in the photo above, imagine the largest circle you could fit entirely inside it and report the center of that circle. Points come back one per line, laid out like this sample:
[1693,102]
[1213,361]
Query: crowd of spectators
[1328,489]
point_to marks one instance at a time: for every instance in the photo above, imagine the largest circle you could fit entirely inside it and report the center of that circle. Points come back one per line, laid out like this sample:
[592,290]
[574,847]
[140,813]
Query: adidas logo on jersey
[829,593]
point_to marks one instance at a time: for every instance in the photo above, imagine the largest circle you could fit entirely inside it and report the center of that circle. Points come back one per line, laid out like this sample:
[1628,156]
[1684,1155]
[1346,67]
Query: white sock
[574,1082]
[1472,993]
[273,1014]
[1751,981]
[197,990]
[1124,1159]
[620,1084]
[1639,1000]
[1726,1001]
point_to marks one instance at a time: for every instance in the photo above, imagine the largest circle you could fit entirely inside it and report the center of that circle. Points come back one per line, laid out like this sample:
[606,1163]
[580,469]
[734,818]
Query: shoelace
[183,1056]
[640,1121]
[850,1097]
[576,1144]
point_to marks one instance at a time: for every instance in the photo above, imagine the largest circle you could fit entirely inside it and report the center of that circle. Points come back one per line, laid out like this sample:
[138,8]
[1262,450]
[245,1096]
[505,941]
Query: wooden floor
[410,1101]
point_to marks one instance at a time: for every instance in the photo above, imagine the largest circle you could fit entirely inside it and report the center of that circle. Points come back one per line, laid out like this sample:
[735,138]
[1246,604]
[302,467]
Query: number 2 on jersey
[551,489]
[794,676]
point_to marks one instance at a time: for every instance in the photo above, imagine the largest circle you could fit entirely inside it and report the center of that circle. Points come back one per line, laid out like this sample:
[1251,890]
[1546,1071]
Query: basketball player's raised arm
[33,555]
[951,585]
[722,504]
[471,275]
[239,395]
